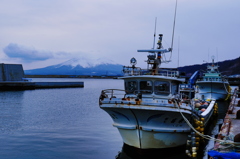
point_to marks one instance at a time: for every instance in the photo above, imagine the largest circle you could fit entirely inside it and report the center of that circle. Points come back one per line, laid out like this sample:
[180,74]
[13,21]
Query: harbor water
[58,123]
[61,123]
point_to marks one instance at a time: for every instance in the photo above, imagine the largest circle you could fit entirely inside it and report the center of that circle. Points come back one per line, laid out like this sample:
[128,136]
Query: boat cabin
[212,73]
[149,87]
[212,77]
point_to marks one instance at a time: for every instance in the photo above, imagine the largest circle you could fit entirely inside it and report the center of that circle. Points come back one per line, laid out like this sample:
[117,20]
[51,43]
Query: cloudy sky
[40,33]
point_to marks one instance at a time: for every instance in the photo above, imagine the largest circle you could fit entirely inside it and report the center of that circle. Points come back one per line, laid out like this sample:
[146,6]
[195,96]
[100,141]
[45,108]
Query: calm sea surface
[64,123]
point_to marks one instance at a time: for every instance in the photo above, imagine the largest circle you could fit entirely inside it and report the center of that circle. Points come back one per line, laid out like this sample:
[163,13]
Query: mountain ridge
[227,67]
[105,67]
[80,66]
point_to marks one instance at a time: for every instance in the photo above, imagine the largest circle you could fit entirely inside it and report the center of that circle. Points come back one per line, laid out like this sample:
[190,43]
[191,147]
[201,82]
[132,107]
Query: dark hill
[227,67]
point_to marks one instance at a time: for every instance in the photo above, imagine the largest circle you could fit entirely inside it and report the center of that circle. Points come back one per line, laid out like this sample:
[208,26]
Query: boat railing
[185,87]
[168,73]
[112,93]
[135,71]
[213,79]
[208,109]
[131,71]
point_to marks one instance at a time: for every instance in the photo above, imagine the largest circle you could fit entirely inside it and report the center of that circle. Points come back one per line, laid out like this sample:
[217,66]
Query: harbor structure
[12,78]
[227,143]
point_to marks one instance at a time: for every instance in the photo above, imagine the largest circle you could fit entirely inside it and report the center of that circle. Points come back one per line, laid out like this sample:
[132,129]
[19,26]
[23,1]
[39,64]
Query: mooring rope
[229,142]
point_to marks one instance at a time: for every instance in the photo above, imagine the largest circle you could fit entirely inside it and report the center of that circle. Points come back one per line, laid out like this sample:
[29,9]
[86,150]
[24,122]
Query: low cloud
[26,54]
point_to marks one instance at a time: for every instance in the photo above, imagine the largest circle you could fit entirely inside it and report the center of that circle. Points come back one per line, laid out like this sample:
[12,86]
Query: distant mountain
[80,66]
[104,67]
[227,67]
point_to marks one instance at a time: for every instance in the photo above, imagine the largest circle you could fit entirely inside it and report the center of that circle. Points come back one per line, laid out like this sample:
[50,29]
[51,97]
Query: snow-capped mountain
[80,66]
[86,62]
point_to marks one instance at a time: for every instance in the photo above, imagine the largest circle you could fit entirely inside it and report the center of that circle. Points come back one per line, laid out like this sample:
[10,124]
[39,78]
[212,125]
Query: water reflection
[222,108]
[133,153]
[128,152]
[11,108]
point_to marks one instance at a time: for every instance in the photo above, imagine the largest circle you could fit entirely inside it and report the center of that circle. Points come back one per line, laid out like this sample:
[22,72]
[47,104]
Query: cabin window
[146,87]
[161,88]
[174,88]
[131,86]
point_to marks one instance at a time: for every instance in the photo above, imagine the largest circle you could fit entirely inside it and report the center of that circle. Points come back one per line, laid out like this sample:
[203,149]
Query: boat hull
[147,129]
[212,90]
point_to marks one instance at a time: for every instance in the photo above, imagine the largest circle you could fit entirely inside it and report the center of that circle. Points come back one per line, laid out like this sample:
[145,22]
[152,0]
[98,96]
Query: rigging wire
[173,29]
[178,49]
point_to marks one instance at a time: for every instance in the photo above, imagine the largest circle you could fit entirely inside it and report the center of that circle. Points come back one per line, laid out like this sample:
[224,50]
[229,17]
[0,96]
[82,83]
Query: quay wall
[22,85]
[12,78]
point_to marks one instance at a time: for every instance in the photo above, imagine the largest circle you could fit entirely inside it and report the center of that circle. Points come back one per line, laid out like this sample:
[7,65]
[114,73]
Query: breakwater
[22,85]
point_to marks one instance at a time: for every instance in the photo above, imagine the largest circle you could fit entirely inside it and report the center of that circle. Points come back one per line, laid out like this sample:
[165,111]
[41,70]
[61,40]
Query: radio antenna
[154,33]
[173,29]
[174,25]
[178,49]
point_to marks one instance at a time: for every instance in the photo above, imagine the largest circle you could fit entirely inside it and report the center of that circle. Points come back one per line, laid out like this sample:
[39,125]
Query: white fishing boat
[212,85]
[151,112]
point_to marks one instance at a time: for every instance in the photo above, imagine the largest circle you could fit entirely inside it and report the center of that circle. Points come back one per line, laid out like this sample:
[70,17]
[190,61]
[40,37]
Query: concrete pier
[230,128]
[12,78]
[21,85]
[229,133]
[16,85]
[11,72]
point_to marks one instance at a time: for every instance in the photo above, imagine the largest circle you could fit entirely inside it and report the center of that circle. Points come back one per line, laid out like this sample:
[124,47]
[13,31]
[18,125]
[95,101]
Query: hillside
[227,67]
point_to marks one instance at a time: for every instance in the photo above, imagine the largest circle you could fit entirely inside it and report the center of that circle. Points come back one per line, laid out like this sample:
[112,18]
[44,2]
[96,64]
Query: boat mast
[154,61]
[212,68]
[154,33]
[155,56]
